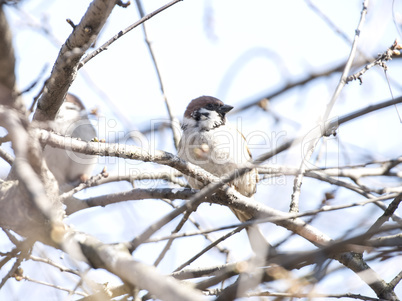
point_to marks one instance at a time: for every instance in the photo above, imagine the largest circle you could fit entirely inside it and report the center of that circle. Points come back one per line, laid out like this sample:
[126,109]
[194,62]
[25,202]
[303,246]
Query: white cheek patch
[203,111]
[214,115]
[210,121]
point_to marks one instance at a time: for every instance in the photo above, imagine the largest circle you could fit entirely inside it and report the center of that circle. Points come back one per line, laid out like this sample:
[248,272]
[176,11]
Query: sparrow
[70,168]
[209,141]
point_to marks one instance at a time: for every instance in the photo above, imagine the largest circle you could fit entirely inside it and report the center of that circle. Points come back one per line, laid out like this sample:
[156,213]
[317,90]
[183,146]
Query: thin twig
[89,183]
[55,264]
[108,293]
[198,226]
[294,205]
[74,205]
[349,62]
[52,285]
[380,61]
[123,32]
[394,282]
[6,156]
[313,295]
[170,241]
[11,237]
[386,215]
[392,94]
[34,83]
[209,247]
[174,124]
[25,249]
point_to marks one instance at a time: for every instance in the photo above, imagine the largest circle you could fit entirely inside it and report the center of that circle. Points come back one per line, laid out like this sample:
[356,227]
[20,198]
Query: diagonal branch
[117,260]
[386,215]
[294,205]
[123,32]
[66,66]
[174,123]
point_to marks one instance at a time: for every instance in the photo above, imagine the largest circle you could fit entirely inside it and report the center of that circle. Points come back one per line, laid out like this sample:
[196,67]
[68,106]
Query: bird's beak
[224,109]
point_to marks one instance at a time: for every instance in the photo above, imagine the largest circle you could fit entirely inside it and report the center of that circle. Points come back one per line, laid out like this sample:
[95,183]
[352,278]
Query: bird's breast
[218,151]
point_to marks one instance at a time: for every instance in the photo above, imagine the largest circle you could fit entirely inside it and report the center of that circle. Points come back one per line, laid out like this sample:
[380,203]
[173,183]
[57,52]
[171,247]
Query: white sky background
[234,50]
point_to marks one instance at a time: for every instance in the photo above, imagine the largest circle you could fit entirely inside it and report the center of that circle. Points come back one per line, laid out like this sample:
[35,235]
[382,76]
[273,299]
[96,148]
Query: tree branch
[294,205]
[74,205]
[66,66]
[116,259]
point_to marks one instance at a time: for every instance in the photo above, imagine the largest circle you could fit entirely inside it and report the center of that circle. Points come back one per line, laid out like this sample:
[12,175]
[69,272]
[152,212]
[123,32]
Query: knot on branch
[122,4]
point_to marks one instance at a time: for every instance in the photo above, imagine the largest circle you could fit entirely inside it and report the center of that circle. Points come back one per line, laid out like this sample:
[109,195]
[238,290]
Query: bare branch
[166,175]
[56,265]
[108,292]
[170,241]
[349,62]
[72,292]
[387,214]
[196,224]
[386,241]
[6,156]
[394,282]
[205,271]
[89,183]
[313,295]
[116,259]
[66,65]
[380,61]
[209,247]
[294,205]
[74,205]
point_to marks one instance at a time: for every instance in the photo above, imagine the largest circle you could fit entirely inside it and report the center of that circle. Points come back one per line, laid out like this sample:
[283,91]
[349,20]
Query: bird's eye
[196,115]
[209,106]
